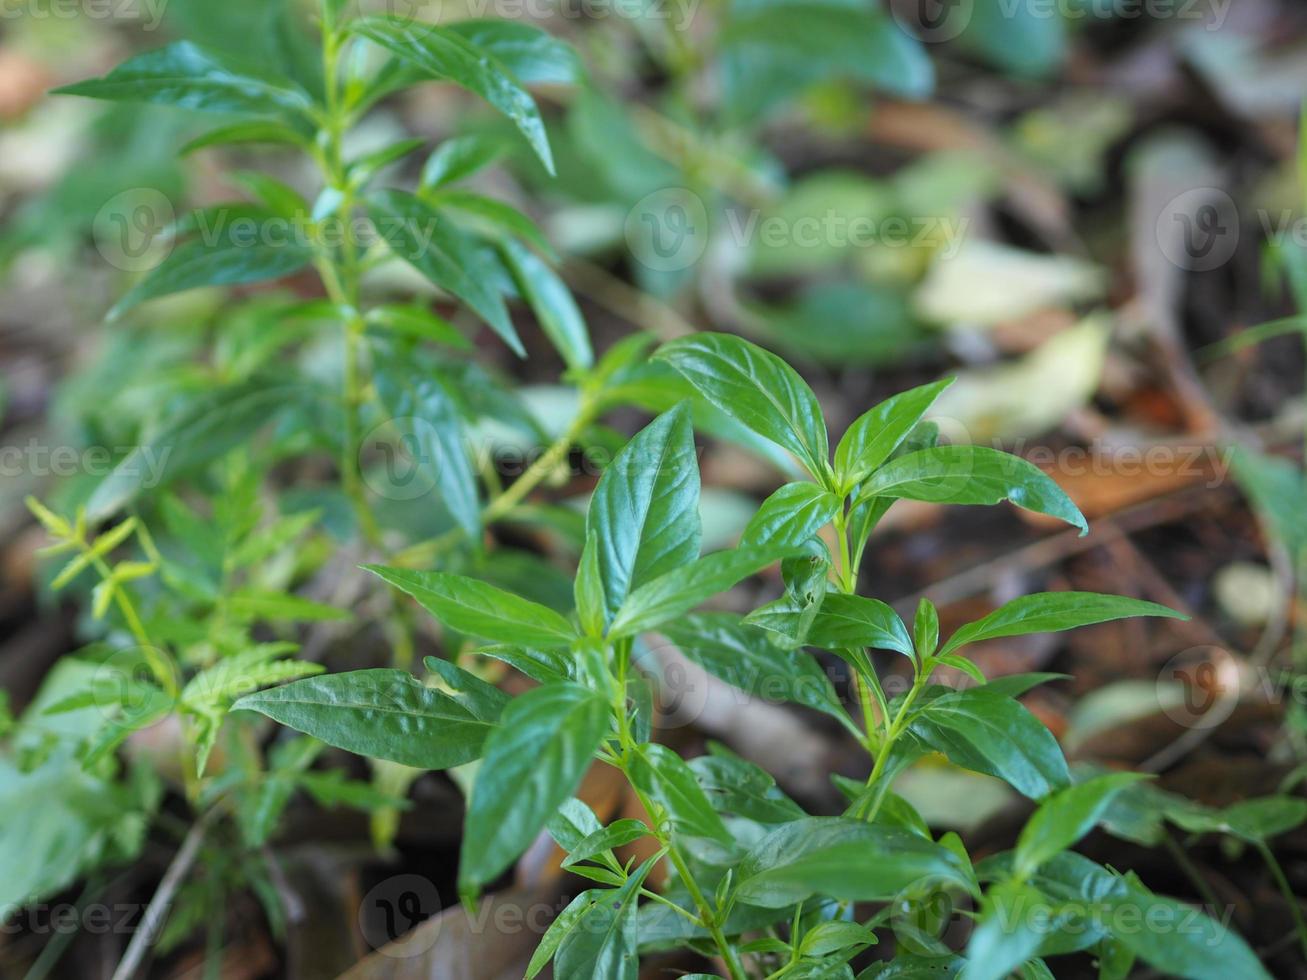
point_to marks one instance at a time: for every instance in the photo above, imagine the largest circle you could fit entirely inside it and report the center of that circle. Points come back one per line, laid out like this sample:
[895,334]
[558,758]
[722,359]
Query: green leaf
[773,52]
[588,589]
[233,252]
[426,240]
[1065,817]
[498,218]
[1021,39]
[925,631]
[382,714]
[414,320]
[552,302]
[645,509]
[972,475]
[192,437]
[872,439]
[572,823]
[617,834]
[250,604]
[745,657]
[740,788]
[485,701]
[790,516]
[533,56]
[681,589]
[443,53]
[533,762]
[1047,612]
[426,417]
[1255,821]
[756,388]
[1180,940]
[664,776]
[480,609]
[854,621]
[1277,488]
[1008,933]
[191,77]
[560,929]
[603,943]
[247,132]
[458,158]
[839,858]
[987,731]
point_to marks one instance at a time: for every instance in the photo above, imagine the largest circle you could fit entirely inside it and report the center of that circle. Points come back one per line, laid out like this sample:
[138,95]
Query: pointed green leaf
[972,475]
[663,775]
[645,508]
[552,302]
[533,762]
[790,516]
[426,416]
[756,388]
[383,714]
[854,621]
[231,253]
[680,590]
[420,235]
[1065,817]
[479,609]
[840,858]
[1008,933]
[1048,612]
[443,53]
[987,731]
[745,657]
[192,77]
[872,439]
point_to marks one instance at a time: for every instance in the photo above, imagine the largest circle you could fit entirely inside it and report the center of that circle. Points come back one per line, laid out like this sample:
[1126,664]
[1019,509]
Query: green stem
[895,731]
[538,471]
[707,914]
[1282,883]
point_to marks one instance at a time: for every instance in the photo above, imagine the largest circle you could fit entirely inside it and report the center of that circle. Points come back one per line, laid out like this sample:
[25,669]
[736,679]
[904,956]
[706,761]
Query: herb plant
[755,880]
[212,585]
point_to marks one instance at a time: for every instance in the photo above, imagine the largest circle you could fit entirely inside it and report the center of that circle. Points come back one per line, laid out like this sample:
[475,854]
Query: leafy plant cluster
[213,587]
